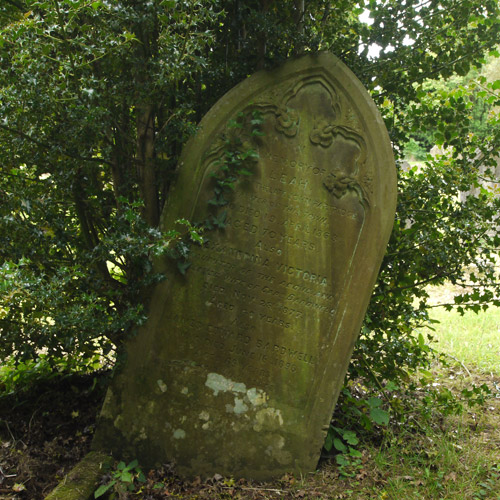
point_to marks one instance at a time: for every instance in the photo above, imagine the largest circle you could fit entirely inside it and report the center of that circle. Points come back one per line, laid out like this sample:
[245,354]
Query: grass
[454,456]
[440,465]
[458,456]
[473,339]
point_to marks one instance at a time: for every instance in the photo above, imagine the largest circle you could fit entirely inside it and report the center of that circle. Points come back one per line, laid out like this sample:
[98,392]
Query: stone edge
[80,483]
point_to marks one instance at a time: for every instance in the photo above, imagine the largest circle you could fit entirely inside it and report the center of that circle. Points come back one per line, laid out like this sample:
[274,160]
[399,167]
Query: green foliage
[237,157]
[125,478]
[81,188]
[16,377]
[447,208]
[431,397]
[471,95]
[178,247]
[356,415]
[415,149]
[488,487]
[349,457]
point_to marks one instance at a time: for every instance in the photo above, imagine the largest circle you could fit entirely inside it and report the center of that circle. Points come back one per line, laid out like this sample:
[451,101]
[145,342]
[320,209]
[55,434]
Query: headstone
[241,361]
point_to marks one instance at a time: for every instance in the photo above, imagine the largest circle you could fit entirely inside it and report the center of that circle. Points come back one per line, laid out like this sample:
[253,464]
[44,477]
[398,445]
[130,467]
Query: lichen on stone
[219,383]
[179,434]
[268,419]
[256,397]
[162,385]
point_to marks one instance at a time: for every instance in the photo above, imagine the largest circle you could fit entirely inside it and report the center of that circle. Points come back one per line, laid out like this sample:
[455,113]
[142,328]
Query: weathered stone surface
[82,481]
[241,361]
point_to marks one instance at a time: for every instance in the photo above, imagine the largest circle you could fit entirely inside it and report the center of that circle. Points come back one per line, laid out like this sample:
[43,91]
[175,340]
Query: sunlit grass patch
[472,339]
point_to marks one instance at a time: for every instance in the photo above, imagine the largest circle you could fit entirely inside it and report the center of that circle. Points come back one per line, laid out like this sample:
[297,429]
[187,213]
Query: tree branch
[146,166]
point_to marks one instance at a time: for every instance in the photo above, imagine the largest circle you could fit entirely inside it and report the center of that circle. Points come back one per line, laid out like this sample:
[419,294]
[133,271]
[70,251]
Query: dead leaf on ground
[406,478]
[452,476]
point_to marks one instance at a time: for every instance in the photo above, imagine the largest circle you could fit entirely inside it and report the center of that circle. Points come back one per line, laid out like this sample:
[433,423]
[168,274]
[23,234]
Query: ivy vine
[235,160]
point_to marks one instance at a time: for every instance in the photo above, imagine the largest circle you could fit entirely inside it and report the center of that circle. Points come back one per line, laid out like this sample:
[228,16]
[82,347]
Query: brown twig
[257,489]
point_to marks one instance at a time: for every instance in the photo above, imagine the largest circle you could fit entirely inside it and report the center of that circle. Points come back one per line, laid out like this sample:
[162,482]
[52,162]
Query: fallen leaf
[450,477]
[18,487]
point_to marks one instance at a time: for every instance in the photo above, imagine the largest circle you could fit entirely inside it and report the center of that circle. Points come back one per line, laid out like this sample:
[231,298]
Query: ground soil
[45,432]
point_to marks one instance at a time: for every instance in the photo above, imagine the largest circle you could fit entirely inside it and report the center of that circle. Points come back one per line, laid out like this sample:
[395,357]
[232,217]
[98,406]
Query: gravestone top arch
[241,361]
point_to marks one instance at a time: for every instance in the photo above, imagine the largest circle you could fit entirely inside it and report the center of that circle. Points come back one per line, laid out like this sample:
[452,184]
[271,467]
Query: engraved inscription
[267,270]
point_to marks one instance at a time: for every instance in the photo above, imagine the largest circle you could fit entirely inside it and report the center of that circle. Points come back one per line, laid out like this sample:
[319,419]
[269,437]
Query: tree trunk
[146,163]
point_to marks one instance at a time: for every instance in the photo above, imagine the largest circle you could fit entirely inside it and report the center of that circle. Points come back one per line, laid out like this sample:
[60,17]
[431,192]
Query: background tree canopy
[98,97]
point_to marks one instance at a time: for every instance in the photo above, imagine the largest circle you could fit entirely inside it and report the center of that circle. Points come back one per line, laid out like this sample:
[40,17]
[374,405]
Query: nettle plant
[124,478]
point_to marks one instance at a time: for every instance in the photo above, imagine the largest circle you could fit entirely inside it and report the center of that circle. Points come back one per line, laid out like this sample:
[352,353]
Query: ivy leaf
[135,462]
[350,437]
[391,386]
[244,171]
[220,220]
[257,133]
[126,477]
[373,402]
[329,440]
[339,445]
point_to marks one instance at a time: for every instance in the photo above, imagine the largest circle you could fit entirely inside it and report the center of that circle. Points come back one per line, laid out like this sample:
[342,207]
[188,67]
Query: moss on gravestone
[81,482]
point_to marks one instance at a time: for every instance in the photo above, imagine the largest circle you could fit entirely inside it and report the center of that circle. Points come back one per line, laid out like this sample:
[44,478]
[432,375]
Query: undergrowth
[437,444]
